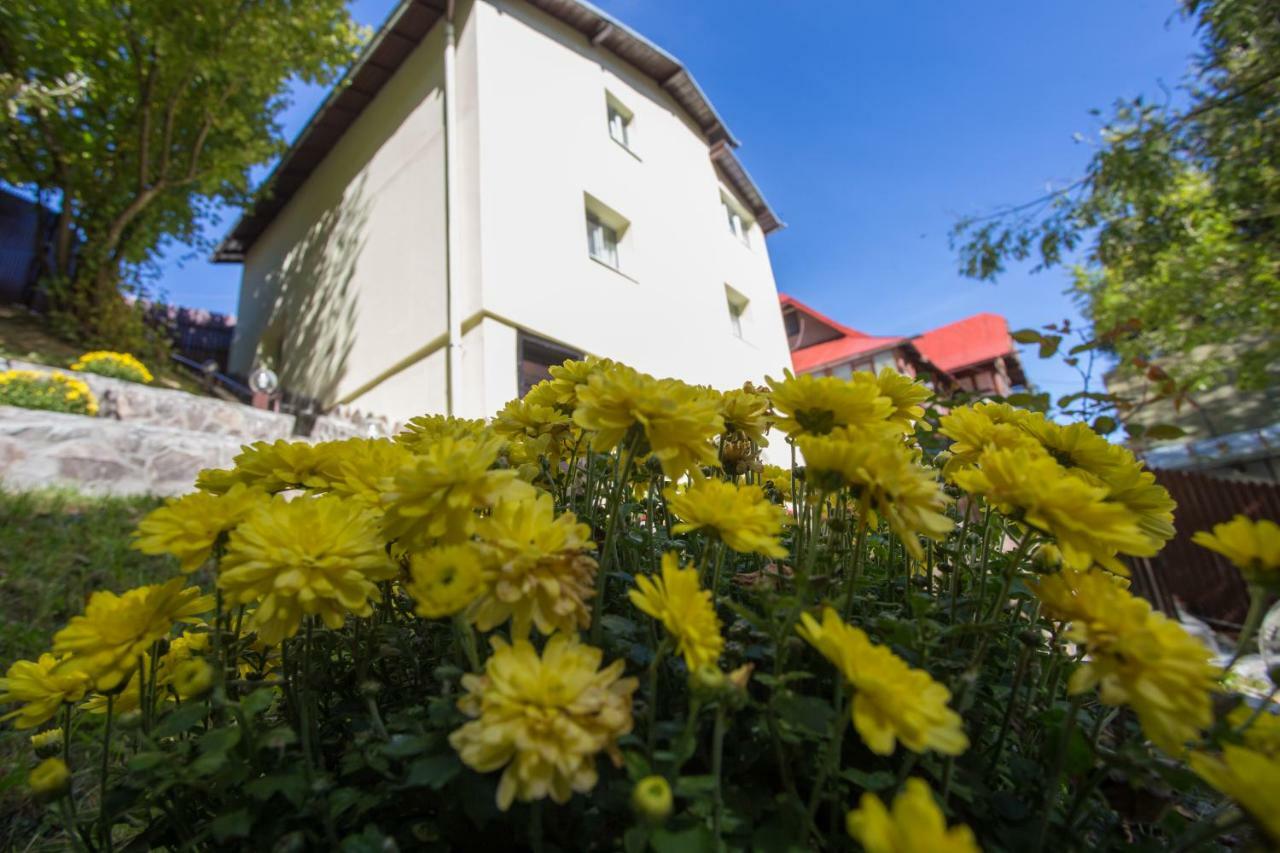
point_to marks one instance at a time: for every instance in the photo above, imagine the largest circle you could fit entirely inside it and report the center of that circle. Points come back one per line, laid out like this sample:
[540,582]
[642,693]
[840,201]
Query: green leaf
[1105,425]
[877,780]
[694,786]
[697,839]
[218,740]
[147,760]
[434,771]
[1165,432]
[1034,402]
[403,746]
[258,701]
[807,712]
[234,824]
[1049,345]
[1026,336]
[619,626]
[291,785]
[181,719]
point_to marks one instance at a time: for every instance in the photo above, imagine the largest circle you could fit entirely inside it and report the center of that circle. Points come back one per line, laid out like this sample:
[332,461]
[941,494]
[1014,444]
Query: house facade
[975,354]
[498,185]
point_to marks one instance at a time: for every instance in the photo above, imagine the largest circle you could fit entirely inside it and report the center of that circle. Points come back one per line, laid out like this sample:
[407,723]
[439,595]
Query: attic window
[738,219]
[608,233]
[620,121]
[737,304]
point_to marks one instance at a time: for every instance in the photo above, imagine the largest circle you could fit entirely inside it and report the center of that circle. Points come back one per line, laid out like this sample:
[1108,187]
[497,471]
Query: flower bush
[601,622]
[56,392]
[117,365]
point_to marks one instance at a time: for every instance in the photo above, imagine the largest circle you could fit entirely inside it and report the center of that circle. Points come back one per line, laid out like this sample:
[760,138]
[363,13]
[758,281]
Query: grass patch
[55,548]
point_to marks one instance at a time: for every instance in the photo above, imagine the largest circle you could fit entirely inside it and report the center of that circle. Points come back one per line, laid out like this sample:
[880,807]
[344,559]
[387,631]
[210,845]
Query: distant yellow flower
[423,431]
[746,412]
[684,609]
[192,678]
[544,718]
[1034,489]
[891,701]
[984,426]
[544,428]
[741,516]
[47,743]
[1248,777]
[121,365]
[182,650]
[1253,547]
[568,379]
[313,556]
[446,579]
[41,688]
[1263,734]
[1136,656]
[190,526]
[885,478]
[115,630]
[780,478]
[916,824]
[436,498]
[50,779]
[542,575]
[363,469]
[815,405]
[906,394]
[272,467]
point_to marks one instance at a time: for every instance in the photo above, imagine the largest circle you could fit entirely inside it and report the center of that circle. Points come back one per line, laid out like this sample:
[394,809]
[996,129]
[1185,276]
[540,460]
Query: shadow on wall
[312,325]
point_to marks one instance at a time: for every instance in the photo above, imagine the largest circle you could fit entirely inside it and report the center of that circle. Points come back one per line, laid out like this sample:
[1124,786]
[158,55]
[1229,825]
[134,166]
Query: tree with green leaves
[1177,215]
[136,119]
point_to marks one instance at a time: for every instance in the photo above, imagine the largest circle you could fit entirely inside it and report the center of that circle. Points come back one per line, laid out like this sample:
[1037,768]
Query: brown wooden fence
[1206,584]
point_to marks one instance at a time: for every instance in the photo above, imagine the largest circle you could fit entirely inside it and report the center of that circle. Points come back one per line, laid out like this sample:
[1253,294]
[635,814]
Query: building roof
[975,339]
[391,46]
[965,343]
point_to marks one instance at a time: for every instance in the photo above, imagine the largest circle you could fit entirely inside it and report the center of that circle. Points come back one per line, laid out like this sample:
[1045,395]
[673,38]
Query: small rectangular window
[737,304]
[739,225]
[536,358]
[602,241]
[620,121]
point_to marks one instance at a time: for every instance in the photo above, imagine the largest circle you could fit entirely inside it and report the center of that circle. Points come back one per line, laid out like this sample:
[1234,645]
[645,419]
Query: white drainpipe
[453,308]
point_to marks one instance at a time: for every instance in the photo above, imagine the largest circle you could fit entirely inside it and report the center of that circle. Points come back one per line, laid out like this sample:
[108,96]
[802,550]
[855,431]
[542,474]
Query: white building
[495,187]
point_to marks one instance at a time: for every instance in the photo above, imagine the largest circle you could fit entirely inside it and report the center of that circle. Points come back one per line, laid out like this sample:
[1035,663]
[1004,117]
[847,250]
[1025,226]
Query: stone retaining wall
[99,456]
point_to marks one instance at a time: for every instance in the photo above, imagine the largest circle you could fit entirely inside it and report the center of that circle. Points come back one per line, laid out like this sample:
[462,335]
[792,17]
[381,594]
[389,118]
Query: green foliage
[1177,212]
[136,119]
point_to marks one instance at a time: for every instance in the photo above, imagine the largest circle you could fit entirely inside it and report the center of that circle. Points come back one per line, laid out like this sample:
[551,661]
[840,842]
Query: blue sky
[871,127]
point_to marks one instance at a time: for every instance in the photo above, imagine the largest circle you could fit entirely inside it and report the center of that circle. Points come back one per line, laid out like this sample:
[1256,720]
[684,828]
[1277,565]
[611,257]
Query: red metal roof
[958,345]
[851,343]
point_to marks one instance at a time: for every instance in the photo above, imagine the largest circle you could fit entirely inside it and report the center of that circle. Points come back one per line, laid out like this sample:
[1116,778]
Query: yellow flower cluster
[118,365]
[892,702]
[55,391]
[1093,497]
[915,824]
[1136,656]
[544,718]
[42,688]
[191,526]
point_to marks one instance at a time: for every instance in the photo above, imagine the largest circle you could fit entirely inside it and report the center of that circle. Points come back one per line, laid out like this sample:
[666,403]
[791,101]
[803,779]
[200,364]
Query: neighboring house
[975,354]
[1228,432]
[485,196]
[24,231]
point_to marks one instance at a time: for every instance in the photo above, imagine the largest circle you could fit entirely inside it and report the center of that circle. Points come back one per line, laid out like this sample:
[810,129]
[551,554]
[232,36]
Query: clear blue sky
[872,126]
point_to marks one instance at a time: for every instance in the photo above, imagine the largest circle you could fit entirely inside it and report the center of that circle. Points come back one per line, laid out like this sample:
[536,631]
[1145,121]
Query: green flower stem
[832,763]
[721,548]
[104,825]
[1020,672]
[622,470]
[982,564]
[66,731]
[1055,774]
[717,768]
[1257,605]
[651,730]
[304,701]
[1226,817]
[467,640]
[855,573]
[69,822]
[1258,711]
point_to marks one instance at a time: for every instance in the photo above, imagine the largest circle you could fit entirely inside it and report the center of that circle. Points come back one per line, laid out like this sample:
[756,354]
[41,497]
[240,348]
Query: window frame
[626,120]
[740,222]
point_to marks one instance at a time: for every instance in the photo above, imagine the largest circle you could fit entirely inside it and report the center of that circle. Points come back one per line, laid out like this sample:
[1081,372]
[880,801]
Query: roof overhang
[391,46]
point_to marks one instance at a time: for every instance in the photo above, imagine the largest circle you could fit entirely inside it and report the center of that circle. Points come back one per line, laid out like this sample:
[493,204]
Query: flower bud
[47,744]
[50,779]
[193,678]
[651,798]
[706,679]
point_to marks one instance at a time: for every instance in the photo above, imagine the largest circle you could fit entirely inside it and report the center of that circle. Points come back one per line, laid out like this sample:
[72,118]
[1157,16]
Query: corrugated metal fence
[1206,584]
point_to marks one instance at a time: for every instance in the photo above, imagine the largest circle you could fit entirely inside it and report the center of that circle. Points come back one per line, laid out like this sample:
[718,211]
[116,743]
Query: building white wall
[544,143]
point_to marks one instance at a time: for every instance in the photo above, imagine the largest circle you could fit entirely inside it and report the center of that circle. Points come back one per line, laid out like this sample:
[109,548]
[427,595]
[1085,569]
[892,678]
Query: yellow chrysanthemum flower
[677,420]
[740,516]
[425,430]
[892,702]
[273,467]
[435,499]
[906,394]
[116,630]
[1137,657]
[916,824]
[50,779]
[746,413]
[1263,733]
[445,580]
[1253,547]
[120,365]
[886,479]
[182,651]
[684,609]
[47,743]
[780,478]
[568,378]
[362,470]
[815,405]
[313,556]
[41,688]
[1038,491]
[542,575]
[1248,777]
[982,426]
[544,718]
[190,526]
